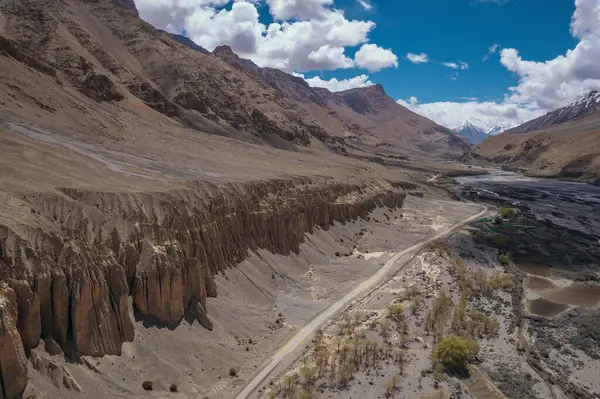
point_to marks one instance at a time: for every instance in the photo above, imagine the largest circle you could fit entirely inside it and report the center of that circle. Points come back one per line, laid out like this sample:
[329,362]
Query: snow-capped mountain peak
[586,105]
[472,132]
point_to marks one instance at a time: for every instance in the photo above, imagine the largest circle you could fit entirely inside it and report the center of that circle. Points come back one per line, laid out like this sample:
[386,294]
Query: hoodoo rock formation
[71,285]
[13,363]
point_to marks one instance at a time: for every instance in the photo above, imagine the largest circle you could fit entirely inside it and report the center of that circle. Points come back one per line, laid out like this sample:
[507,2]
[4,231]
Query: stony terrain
[169,217]
[382,346]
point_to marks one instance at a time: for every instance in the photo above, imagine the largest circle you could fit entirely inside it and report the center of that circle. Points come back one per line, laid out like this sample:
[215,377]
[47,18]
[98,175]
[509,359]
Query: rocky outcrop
[128,5]
[11,49]
[71,287]
[29,319]
[13,363]
[202,317]
[58,375]
[100,88]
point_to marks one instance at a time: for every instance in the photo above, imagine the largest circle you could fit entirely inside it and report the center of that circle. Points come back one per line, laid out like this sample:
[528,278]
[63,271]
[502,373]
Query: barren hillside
[366,118]
[567,149]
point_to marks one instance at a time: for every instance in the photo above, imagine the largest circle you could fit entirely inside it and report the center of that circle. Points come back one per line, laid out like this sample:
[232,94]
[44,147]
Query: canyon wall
[67,278]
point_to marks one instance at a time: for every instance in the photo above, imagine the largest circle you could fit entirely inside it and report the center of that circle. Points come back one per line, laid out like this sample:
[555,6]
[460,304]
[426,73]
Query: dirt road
[393,265]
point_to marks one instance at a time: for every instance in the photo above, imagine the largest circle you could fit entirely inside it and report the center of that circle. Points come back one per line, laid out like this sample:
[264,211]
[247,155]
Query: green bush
[507,213]
[453,353]
[499,240]
[147,385]
[173,388]
[503,259]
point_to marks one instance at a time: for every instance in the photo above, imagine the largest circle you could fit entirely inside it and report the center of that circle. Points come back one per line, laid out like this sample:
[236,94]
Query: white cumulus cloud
[306,35]
[374,58]
[417,58]
[487,114]
[284,10]
[554,83]
[542,85]
[337,85]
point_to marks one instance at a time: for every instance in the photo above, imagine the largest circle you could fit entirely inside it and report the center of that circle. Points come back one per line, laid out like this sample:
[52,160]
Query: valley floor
[261,303]
[382,346]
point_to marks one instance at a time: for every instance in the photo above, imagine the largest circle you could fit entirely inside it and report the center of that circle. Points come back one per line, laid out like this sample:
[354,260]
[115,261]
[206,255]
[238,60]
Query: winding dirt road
[288,351]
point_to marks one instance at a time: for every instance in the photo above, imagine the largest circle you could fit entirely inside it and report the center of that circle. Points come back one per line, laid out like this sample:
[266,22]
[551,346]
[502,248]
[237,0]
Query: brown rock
[60,307]
[95,323]
[13,363]
[59,376]
[29,322]
[120,304]
[202,317]
[194,281]
[158,289]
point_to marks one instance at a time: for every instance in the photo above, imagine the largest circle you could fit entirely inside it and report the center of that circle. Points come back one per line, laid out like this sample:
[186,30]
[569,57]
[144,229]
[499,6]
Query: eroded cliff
[70,277]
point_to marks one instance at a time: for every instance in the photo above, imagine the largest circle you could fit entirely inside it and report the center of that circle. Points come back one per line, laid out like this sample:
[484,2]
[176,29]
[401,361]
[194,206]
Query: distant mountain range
[563,143]
[473,131]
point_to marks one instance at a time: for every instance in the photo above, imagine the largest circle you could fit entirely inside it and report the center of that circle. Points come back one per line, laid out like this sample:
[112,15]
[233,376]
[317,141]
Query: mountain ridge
[355,113]
[566,143]
[585,105]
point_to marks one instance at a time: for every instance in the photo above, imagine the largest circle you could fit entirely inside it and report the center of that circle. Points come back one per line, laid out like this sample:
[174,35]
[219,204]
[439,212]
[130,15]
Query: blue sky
[547,52]
[451,30]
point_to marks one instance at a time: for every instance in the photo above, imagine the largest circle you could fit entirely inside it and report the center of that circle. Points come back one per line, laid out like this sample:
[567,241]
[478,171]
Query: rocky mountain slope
[565,148]
[365,117]
[586,105]
[103,50]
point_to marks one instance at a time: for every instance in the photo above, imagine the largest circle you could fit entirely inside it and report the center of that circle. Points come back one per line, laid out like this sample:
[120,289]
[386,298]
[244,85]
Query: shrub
[507,213]
[503,259]
[147,385]
[233,372]
[453,353]
[396,310]
[173,388]
[438,247]
[499,240]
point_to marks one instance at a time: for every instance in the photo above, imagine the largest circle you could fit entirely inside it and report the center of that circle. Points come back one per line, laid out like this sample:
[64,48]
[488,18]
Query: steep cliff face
[71,286]
[13,363]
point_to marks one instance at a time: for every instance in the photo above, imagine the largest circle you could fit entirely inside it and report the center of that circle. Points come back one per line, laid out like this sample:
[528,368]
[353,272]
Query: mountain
[563,143]
[472,133]
[584,106]
[186,41]
[495,130]
[365,117]
[105,51]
